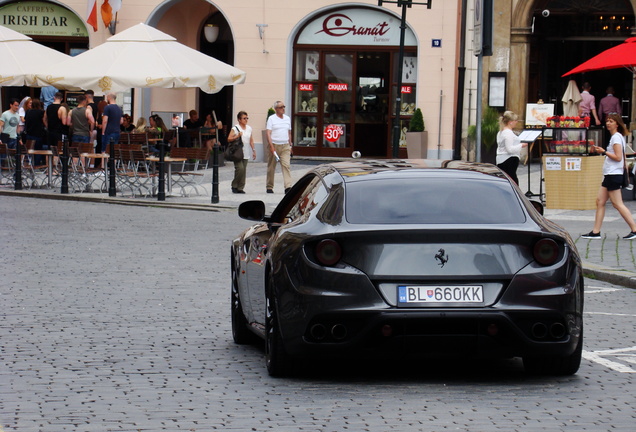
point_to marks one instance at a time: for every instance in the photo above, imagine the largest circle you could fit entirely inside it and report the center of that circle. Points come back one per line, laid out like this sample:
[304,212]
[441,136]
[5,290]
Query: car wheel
[240,332]
[567,365]
[277,360]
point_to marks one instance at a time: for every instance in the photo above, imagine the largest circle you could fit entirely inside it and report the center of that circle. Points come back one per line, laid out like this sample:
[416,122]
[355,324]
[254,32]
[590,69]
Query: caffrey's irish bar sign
[42,19]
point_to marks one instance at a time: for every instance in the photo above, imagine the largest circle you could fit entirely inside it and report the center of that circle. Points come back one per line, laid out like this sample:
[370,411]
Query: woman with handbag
[613,175]
[242,131]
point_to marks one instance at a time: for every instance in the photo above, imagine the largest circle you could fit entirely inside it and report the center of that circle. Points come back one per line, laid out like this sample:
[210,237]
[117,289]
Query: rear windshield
[432,201]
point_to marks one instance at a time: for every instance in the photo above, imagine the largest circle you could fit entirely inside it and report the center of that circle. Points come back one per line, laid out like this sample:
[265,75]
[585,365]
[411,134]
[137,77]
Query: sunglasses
[245,118]
[280,107]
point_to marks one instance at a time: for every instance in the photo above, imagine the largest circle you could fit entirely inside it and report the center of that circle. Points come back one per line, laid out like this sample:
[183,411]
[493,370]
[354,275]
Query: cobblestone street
[116,318]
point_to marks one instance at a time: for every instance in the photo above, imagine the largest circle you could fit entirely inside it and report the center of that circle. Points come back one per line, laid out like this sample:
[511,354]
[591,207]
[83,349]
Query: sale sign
[306,87]
[407,89]
[333,132]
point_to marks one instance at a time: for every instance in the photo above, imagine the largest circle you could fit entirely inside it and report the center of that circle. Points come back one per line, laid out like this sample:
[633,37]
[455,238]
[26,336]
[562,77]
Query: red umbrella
[623,55]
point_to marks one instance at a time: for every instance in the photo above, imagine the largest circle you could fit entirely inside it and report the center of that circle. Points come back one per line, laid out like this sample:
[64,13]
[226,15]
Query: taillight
[546,251]
[328,252]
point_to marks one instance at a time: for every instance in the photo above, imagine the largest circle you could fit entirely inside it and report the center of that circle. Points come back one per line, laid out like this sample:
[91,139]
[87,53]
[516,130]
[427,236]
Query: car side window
[305,201]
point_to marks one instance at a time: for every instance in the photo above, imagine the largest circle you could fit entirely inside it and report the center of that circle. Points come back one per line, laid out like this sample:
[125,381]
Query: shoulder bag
[234,149]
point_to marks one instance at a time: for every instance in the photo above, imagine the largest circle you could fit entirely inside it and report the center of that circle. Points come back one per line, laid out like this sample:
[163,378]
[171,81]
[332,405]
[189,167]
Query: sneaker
[592,235]
[630,236]
[629,187]
[270,190]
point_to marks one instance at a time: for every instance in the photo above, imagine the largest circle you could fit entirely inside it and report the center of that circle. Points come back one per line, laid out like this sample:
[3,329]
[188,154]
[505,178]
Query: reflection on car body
[413,258]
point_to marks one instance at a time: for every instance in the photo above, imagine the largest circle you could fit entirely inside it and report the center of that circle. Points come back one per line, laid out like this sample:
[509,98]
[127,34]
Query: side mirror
[252,210]
[537,206]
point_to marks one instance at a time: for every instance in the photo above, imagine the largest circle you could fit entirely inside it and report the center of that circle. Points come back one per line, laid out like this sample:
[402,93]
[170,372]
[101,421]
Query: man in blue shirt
[111,119]
[47,94]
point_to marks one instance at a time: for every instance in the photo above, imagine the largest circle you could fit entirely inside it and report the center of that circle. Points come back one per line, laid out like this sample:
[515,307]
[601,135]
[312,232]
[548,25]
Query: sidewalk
[611,259]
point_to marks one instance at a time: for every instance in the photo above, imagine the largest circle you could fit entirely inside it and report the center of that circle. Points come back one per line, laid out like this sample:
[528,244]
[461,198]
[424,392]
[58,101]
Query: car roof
[357,170]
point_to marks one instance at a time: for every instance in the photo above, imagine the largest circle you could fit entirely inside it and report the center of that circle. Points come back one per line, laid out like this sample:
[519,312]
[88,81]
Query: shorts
[612,182]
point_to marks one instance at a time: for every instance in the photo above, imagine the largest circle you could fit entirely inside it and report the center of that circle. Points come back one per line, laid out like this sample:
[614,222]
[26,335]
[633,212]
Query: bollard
[18,166]
[215,173]
[112,187]
[161,193]
[64,187]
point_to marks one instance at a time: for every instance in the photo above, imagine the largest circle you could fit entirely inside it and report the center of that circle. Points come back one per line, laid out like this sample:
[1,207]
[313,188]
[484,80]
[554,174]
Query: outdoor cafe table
[49,158]
[168,160]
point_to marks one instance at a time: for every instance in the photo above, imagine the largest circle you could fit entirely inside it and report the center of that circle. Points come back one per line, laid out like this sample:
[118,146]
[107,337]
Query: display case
[570,140]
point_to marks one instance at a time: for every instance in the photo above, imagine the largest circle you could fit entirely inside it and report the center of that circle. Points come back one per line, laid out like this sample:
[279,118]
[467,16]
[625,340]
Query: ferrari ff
[407,258]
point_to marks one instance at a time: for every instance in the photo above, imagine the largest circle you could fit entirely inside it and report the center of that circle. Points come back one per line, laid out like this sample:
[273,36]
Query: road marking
[611,314]
[597,290]
[624,354]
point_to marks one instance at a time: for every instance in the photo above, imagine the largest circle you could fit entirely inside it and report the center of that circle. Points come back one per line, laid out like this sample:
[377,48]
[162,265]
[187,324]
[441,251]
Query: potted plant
[489,130]
[417,137]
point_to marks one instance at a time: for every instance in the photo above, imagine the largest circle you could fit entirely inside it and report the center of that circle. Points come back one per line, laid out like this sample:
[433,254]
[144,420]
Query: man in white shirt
[279,138]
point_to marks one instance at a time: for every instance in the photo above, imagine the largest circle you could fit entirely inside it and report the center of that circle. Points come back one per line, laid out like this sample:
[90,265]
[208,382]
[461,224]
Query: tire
[278,362]
[240,331]
[568,365]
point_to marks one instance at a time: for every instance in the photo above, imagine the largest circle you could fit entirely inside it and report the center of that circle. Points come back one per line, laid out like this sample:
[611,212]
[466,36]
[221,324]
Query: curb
[618,277]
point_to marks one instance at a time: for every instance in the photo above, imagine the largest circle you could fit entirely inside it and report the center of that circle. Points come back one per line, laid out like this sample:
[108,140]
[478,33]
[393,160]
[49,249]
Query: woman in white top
[612,178]
[243,130]
[25,105]
[508,145]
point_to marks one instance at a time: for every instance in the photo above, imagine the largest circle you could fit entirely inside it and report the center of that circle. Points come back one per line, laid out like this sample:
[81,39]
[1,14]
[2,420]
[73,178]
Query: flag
[91,14]
[109,9]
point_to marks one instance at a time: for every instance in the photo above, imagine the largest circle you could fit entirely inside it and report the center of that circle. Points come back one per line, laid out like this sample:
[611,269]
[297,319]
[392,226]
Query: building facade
[334,64]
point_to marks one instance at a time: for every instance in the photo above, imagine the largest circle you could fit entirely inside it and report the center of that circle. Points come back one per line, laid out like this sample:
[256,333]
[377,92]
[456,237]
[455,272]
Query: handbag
[234,150]
[626,183]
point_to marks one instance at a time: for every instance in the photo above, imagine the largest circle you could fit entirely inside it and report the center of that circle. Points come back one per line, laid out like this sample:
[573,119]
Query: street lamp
[398,97]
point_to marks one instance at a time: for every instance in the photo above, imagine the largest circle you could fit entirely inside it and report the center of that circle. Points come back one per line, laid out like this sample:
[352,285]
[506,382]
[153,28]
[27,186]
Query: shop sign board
[42,19]
[356,26]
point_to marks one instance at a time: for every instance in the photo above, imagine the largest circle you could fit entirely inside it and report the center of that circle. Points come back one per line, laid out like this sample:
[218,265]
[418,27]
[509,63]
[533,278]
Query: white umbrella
[21,58]
[145,57]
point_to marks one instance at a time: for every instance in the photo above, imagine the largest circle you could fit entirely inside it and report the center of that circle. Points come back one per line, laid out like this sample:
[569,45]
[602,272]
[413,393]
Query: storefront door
[372,112]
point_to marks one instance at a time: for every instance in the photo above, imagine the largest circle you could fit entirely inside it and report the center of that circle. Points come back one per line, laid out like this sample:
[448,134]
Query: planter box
[417,145]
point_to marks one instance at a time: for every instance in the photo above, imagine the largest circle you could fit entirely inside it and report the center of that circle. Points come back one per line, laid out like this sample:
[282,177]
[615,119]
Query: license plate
[440,294]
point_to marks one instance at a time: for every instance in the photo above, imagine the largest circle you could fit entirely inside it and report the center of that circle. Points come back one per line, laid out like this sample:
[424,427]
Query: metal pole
[215,172]
[161,194]
[112,187]
[18,166]
[398,95]
[480,66]
[64,187]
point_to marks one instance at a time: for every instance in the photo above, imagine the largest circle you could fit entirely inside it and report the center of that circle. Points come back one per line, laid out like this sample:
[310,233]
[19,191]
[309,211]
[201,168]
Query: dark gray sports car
[407,258]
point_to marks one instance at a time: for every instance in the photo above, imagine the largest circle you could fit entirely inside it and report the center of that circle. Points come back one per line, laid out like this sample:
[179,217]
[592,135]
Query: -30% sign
[333,132]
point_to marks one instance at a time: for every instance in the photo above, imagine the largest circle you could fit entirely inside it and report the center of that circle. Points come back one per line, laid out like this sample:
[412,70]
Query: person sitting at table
[158,128]
[194,122]
[214,131]
[127,123]
[140,127]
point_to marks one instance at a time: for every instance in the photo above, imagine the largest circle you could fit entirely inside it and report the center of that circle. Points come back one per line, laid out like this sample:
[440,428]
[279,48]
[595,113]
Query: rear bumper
[437,333]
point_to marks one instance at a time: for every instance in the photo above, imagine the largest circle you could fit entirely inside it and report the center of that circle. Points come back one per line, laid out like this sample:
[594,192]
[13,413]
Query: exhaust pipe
[318,332]
[557,330]
[339,332]
[539,330]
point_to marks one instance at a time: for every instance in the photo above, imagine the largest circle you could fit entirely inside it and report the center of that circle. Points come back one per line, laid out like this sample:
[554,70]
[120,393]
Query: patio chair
[192,173]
